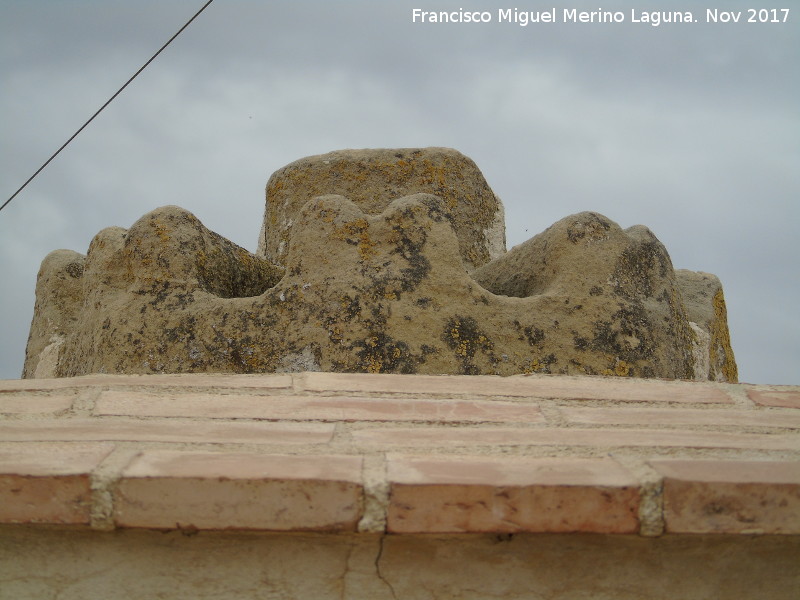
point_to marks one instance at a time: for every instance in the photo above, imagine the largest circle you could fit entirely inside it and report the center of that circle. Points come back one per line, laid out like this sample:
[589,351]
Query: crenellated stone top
[380,261]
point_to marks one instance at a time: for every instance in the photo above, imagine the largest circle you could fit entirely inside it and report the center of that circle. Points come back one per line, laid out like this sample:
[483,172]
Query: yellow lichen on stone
[461,346]
[161,230]
[721,350]
[335,334]
[384,290]
[622,369]
[358,231]
[373,178]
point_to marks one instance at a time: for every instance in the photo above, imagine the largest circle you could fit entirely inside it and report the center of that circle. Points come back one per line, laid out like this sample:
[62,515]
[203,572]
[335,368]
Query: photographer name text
[524,18]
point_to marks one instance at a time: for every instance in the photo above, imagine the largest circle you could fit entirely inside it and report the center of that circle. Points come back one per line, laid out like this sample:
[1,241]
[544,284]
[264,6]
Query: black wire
[119,91]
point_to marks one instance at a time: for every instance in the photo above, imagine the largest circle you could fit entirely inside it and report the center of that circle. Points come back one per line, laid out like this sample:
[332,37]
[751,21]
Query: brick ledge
[401,454]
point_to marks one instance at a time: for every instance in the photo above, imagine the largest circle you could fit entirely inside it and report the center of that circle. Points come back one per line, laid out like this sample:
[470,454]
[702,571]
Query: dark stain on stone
[534,335]
[628,322]
[637,266]
[351,308]
[161,290]
[463,336]
[379,353]
[545,362]
[75,270]
[579,343]
[412,252]
[580,229]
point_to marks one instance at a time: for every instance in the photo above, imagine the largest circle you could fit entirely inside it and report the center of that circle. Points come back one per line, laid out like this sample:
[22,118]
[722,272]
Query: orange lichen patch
[358,232]
[721,351]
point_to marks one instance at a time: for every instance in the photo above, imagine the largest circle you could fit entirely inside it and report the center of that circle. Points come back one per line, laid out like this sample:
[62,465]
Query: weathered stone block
[708,317]
[372,179]
[615,305]
[391,292]
[59,298]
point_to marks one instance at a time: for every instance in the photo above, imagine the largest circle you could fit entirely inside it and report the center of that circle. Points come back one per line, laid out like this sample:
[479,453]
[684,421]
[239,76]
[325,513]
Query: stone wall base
[45,562]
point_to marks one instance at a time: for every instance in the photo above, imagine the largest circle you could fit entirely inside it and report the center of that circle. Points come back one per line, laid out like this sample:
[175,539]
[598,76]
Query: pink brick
[187,380]
[508,495]
[412,384]
[30,404]
[166,430]
[240,491]
[611,438]
[781,398]
[533,386]
[48,483]
[627,390]
[302,408]
[731,496]
[681,416]
[33,385]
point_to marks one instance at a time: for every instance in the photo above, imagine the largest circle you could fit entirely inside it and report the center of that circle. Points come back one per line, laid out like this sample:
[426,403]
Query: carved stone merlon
[388,261]
[372,179]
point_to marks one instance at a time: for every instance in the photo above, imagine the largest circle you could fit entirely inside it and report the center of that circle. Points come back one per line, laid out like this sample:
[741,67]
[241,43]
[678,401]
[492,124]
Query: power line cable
[109,101]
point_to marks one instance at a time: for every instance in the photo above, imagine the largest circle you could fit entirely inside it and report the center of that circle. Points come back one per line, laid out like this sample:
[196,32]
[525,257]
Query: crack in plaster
[385,581]
[347,570]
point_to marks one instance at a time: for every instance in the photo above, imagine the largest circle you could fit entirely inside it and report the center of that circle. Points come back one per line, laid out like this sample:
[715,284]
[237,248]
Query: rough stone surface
[389,292]
[705,306]
[372,179]
[59,298]
[134,303]
[611,295]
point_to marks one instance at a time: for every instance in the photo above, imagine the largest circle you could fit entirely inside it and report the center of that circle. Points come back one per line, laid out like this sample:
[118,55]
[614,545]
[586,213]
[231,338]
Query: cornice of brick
[400,454]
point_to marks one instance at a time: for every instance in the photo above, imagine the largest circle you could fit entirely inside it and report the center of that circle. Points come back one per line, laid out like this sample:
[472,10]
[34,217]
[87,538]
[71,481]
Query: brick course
[48,483]
[730,496]
[784,398]
[219,490]
[401,454]
[314,408]
[479,494]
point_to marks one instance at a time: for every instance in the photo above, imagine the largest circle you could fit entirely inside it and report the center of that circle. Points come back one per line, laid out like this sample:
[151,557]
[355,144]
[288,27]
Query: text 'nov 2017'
[524,18]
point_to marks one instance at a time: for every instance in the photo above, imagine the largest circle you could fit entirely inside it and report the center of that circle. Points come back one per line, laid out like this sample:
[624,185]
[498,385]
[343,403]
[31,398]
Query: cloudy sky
[692,129]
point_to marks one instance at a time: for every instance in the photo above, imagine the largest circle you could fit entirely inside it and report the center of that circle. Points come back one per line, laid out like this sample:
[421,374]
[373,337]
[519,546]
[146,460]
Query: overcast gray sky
[692,129]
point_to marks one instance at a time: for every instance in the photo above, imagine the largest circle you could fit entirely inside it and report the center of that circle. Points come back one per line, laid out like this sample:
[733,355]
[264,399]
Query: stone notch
[623,284]
[390,292]
[372,179]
